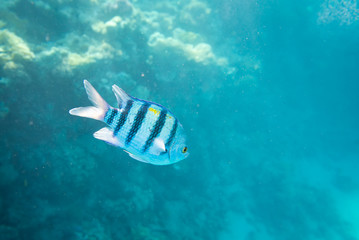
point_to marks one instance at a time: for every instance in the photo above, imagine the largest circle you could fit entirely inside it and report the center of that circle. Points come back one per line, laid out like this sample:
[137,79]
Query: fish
[147,131]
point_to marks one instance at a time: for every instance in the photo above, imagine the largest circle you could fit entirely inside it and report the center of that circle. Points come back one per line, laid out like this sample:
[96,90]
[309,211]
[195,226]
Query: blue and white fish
[147,131]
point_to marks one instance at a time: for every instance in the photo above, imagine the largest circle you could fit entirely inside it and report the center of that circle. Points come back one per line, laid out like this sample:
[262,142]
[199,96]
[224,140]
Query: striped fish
[147,131]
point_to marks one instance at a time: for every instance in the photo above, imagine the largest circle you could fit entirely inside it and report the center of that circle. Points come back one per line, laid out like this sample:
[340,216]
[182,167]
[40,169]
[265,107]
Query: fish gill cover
[266,90]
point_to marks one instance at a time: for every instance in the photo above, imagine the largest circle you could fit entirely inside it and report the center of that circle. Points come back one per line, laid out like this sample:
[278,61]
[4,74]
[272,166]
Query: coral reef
[195,13]
[13,50]
[344,12]
[182,42]
[101,27]
[72,59]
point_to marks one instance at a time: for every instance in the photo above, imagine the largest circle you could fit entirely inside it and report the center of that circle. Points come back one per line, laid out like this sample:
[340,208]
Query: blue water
[267,92]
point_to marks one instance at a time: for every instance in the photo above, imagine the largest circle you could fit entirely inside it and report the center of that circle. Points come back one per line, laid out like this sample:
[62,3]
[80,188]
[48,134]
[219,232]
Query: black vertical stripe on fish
[156,130]
[140,116]
[172,134]
[123,117]
[112,116]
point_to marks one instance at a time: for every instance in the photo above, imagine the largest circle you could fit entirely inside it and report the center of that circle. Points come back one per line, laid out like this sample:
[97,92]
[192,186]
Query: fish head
[179,149]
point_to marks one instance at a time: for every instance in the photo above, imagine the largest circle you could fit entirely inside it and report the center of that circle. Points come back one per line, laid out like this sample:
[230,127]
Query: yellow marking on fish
[155,111]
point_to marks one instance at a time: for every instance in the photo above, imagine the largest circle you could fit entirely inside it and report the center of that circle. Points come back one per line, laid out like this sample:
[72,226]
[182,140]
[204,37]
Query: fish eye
[184,150]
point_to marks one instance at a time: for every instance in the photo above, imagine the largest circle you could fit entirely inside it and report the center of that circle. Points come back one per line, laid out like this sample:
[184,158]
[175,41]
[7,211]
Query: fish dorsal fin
[158,147]
[106,134]
[136,157]
[121,96]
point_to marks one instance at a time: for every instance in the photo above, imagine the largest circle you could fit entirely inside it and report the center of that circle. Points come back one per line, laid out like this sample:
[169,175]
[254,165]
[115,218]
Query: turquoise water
[267,92]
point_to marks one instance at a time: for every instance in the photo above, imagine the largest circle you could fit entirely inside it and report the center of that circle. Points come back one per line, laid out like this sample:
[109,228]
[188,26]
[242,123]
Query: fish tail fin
[98,111]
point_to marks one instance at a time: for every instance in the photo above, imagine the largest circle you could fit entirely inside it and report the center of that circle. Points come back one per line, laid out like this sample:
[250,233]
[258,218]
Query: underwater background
[267,92]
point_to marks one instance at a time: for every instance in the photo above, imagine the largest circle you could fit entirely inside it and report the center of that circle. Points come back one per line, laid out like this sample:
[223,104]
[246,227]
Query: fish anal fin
[106,134]
[136,157]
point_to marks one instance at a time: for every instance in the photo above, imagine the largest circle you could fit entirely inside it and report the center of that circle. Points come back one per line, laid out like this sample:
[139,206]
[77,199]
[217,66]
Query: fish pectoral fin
[158,147]
[136,157]
[121,96]
[106,134]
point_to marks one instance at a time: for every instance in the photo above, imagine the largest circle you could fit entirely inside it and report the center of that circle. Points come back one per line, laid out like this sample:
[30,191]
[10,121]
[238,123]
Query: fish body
[147,131]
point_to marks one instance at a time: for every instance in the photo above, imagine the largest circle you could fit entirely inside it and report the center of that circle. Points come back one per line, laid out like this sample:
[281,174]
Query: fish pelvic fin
[98,111]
